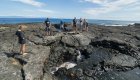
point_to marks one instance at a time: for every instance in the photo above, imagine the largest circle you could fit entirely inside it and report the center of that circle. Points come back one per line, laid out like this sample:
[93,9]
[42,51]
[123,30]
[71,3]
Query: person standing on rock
[48,26]
[61,25]
[85,23]
[21,39]
[65,29]
[75,25]
[81,24]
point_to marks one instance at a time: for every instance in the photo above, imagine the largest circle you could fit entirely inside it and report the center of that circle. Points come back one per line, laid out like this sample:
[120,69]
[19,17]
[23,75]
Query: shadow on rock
[13,55]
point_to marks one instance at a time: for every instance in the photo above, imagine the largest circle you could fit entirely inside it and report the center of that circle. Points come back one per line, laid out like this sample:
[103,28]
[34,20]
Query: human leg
[24,48]
[21,48]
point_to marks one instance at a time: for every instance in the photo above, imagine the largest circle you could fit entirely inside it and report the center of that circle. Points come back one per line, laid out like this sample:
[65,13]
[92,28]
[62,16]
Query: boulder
[76,40]
[122,60]
[35,65]
[36,40]
[10,68]
[47,40]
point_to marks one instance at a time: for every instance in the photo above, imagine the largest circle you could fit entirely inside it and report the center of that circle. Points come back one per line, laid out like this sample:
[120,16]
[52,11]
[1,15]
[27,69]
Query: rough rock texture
[122,60]
[108,53]
[35,65]
[10,69]
[76,40]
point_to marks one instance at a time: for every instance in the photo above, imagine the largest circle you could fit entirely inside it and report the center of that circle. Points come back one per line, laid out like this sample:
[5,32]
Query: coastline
[57,21]
[110,52]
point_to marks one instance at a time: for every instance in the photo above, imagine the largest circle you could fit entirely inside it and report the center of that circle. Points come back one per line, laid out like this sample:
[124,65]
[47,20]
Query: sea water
[57,20]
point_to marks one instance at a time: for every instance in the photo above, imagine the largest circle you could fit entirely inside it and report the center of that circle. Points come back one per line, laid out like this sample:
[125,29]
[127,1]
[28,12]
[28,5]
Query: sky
[90,9]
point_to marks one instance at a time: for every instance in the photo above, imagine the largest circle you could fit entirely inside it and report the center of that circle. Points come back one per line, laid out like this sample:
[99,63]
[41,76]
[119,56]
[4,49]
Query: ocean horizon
[57,21]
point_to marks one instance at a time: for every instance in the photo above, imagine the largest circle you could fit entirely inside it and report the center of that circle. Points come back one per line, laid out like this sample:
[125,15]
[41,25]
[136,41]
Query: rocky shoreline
[110,53]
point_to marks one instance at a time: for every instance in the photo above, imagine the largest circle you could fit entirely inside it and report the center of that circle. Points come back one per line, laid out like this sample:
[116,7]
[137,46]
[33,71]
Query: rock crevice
[106,53]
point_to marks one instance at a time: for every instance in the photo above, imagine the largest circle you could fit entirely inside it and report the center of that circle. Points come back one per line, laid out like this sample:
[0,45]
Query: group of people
[83,26]
[81,23]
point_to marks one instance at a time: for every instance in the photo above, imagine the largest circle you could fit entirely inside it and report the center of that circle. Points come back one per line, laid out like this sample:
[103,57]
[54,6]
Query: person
[48,26]
[21,39]
[65,25]
[61,25]
[85,25]
[75,25]
[81,24]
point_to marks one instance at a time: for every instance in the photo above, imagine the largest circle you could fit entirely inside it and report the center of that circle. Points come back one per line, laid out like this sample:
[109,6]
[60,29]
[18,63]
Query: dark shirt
[47,22]
[80,21]
[61,23]
[74,21]
[20,36]
[86,24]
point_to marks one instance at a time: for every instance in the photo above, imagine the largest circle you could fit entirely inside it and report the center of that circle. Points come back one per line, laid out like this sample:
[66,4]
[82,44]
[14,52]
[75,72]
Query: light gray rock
[8,42]
[47,40]
[122,60]
[70,40]
[48,76]
[112,47]
[10,68]
[34,68]
[36,40]
[76,40]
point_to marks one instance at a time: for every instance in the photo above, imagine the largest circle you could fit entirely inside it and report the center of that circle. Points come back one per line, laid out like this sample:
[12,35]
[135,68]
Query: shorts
[22,41]
[47,29]
[74,25]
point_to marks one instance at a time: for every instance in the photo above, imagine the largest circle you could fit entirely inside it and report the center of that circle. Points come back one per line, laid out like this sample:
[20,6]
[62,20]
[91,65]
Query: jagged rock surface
[109,53]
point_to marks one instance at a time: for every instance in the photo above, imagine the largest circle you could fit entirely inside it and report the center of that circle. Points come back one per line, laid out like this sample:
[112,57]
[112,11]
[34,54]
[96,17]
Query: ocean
[55,20]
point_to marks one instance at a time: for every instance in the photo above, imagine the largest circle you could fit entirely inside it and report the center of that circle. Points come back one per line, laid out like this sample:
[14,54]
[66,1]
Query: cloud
[31,2]
[107,6]
[38,12]
[42,11]
[94,1]
[46,11]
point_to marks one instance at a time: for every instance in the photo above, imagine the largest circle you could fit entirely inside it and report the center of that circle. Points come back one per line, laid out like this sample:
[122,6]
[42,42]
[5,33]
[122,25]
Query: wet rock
[99,55]
[129,75]
[78,72]
[88,72]
[116,44]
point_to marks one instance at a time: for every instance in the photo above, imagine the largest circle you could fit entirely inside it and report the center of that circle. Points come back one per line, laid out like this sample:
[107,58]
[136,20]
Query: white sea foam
[67,65]
[116,25]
